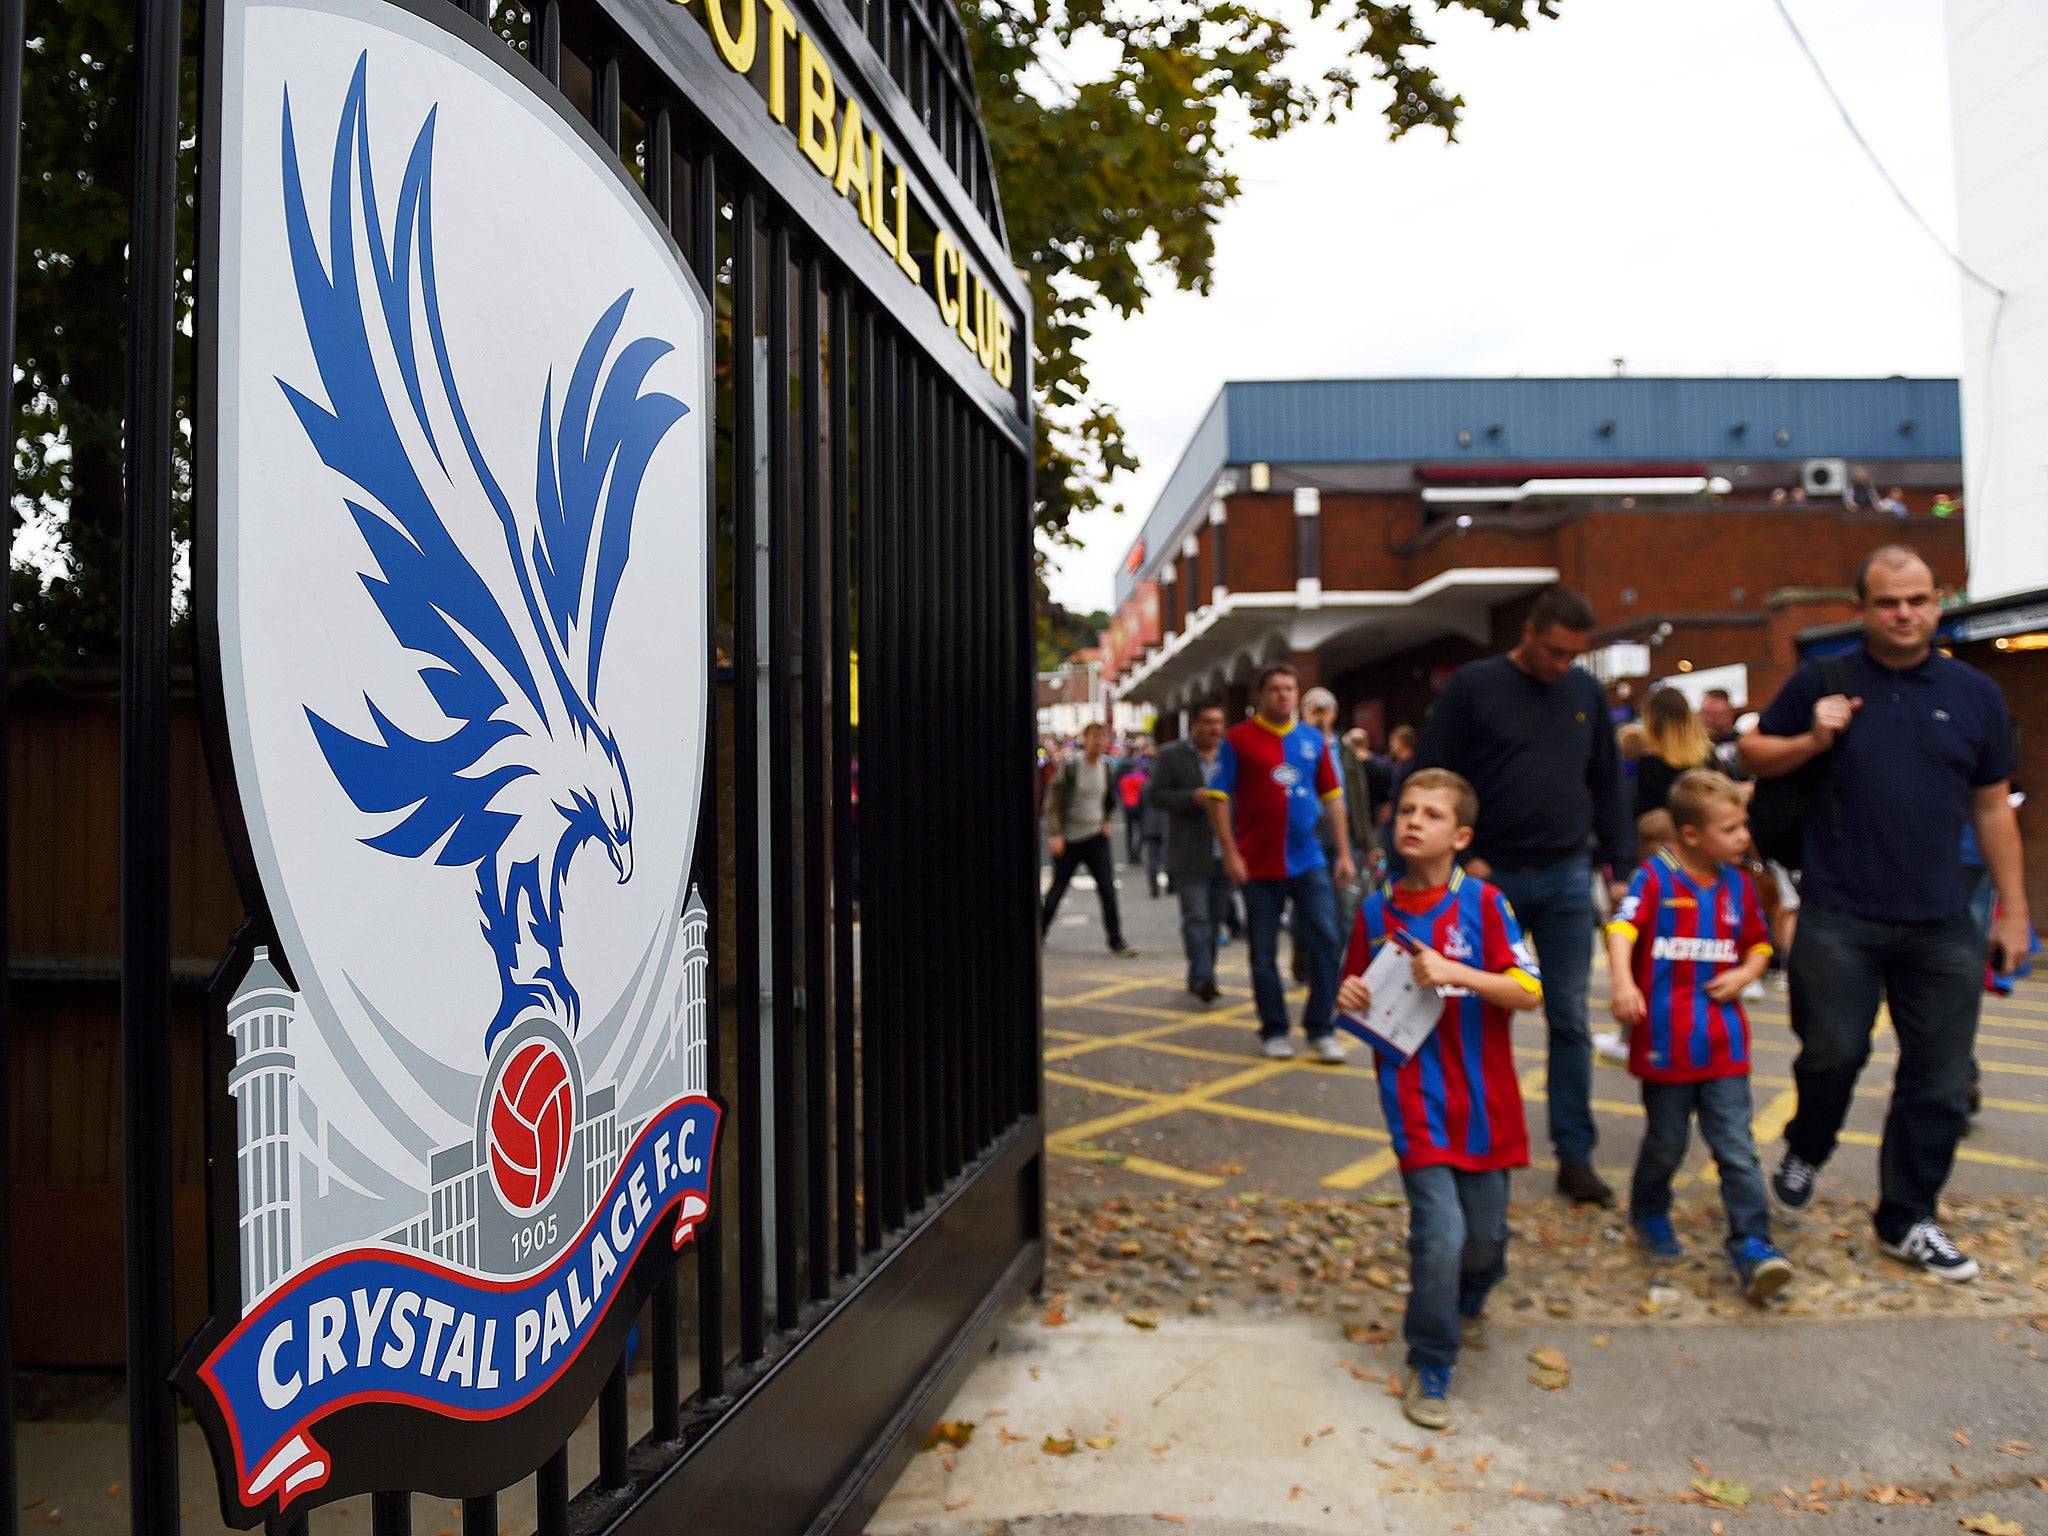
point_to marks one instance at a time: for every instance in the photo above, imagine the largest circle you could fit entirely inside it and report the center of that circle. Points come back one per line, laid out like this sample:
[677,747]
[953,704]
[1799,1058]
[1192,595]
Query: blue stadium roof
[1588,421]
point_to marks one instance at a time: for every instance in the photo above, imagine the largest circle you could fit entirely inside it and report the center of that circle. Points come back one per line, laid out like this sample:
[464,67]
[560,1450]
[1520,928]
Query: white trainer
[1279,1047]
[1928,1246]
[1331,1050]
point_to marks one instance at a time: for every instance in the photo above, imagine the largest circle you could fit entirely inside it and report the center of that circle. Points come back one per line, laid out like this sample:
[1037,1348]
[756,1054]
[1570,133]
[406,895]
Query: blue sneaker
[1427,1396]
[1656,1237]
[1763,1269]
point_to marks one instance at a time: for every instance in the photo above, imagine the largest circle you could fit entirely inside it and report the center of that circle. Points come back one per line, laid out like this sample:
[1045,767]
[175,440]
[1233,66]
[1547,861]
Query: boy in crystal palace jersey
[1685,941]
[1454,1108]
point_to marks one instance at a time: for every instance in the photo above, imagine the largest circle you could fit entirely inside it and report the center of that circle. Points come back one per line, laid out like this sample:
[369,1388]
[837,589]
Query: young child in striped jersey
[1454,1108]
[1685,941]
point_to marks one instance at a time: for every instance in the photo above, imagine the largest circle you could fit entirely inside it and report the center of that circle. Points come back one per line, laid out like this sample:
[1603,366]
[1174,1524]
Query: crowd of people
[1493,847]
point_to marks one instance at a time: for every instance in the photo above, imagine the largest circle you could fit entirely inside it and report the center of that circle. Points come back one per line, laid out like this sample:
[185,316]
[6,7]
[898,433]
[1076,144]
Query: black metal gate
[867,849]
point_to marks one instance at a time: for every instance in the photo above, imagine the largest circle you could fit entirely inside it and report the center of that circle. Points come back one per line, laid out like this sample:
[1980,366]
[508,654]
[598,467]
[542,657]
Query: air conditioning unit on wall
[1824,477]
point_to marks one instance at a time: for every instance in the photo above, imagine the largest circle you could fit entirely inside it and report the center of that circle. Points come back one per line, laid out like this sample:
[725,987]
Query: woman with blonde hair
[1674,741]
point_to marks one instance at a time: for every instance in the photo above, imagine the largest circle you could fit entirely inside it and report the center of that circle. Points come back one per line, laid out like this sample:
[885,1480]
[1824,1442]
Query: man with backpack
[1883,756]
[1079,804]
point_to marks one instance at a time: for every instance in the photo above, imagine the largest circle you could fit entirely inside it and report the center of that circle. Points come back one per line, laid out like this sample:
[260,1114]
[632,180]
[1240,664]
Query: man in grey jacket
[1078,806]
[1192,859]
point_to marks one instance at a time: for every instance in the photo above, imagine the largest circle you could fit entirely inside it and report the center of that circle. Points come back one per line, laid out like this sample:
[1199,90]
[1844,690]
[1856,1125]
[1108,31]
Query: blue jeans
[1204,910]
[1457,1253]
[1723,1107]
[1932,975]
[1315,925]
[1554,905]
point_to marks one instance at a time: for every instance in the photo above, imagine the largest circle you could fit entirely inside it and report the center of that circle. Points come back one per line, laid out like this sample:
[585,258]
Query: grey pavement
[1272,1421]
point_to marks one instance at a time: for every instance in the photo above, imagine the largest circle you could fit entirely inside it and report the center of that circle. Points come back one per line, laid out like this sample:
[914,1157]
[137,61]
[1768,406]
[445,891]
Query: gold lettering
[878,221]
[944,259]
[853,161]
[781,28]
[904,259]
[964,321]
[985,329]
[738,52]
[817,97]
[1002,366]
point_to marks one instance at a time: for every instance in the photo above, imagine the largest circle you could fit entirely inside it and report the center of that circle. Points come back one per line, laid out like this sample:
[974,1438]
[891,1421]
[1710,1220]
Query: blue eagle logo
[525,774]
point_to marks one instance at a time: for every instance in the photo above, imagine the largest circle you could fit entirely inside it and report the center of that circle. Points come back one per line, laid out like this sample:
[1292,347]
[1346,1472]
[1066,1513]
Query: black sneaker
[1207,992]
[1928,1246]
[1793,1182]
[1123,951]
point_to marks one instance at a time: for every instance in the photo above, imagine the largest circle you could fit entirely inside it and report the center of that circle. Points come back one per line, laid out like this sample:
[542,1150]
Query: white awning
[1229,640]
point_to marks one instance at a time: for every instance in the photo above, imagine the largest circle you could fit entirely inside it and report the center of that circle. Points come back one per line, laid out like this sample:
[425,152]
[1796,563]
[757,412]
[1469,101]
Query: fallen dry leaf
[1717,1528]
[1056,1316]
[1009,1439]
[1700,1466]
[2015,1448]
[1481,1462]
[1143,1320]
[961,1503]
[1054,1447]
[1549,1359]
[1962,1436]
[1551,1380]
[1988,1524]
[1101,1442]
[953,1432]
[1721,1490]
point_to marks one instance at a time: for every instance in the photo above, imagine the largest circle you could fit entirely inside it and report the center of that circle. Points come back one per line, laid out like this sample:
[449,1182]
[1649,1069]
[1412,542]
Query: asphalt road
[1158,1090]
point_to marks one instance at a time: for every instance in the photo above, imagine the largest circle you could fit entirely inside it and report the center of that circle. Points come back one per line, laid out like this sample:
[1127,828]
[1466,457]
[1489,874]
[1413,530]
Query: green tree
[1151,183]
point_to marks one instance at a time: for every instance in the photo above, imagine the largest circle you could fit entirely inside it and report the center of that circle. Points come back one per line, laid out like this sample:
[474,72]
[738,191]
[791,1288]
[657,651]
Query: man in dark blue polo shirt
[1922,746]
[1529,731]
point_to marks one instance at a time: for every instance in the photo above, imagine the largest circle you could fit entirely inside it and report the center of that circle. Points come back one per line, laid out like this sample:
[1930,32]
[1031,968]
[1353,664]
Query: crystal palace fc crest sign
[451,573]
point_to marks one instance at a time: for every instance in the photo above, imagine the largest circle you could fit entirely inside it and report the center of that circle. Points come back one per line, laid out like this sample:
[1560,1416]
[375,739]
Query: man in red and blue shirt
[1685,941]
[1274,778]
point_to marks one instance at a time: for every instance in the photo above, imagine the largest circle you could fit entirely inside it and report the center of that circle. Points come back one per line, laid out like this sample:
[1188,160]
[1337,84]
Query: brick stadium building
[1378,532]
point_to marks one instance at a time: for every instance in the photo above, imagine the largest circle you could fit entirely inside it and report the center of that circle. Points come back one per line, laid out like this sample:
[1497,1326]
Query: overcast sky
[1663,181]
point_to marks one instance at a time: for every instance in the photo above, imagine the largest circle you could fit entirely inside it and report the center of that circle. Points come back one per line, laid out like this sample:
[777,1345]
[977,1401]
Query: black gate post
[145,775]
[11,45]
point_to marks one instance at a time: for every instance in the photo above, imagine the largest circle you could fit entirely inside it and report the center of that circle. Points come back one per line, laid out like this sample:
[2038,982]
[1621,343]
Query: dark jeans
[1204,909]
[1457,1252]
[1555,907]
[1723,1107]
[1134,835]
[1094,852]
[1932,975]
[1315,925]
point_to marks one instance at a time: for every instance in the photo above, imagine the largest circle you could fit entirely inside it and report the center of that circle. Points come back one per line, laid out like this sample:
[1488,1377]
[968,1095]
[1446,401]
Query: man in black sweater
[1530,731]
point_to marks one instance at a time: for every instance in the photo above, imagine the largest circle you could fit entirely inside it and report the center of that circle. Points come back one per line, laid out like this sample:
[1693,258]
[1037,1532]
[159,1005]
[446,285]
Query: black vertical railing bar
[948,656]
[545,43]
[906,823]
[480,1515]
[661,166]
[932,786]
[984,1006]
[746,784]
[611,1428]
[781,913]
[145,855]
[1017,493]
[710,1239]
[873,751]
[884,796]
[12,42]
[604,106]
[845,1064]
[551,1495]
[390,1514]
[1002,640]
[820,860]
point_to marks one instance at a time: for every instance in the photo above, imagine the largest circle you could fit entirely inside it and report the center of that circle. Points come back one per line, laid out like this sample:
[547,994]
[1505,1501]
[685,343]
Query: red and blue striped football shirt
[1685,934]
[1277,781]
[1457,1101]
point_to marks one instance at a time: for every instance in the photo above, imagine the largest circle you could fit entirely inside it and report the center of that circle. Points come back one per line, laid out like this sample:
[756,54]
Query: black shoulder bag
[1780,808]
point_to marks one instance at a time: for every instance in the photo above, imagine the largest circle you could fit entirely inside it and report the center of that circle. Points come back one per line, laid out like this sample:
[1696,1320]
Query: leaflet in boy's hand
[1403,1011]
